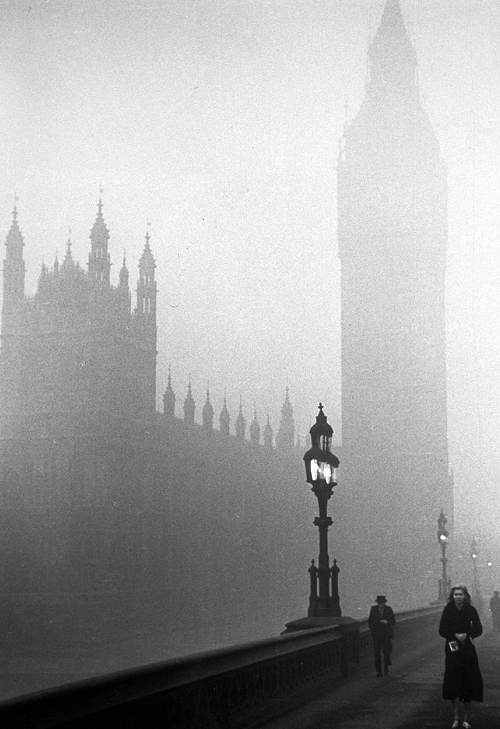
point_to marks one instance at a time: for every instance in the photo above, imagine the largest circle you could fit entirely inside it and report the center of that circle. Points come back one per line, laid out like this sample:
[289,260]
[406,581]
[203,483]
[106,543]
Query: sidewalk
[410,698]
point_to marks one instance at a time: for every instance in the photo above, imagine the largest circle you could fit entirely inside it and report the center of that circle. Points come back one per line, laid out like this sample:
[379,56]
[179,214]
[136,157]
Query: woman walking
[463,682]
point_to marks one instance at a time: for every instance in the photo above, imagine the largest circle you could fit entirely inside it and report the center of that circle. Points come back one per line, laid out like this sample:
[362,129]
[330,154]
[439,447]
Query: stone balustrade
[231,688]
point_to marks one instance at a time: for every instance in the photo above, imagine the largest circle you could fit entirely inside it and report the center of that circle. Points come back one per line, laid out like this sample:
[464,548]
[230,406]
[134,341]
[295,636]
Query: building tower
[99,259]
[14,272]
[146,329]
[392,234]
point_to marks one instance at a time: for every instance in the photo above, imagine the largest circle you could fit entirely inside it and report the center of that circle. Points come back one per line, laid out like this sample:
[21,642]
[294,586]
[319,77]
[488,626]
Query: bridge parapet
[231,688]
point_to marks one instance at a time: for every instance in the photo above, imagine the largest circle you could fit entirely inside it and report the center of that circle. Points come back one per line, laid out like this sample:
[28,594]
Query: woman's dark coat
[462,676]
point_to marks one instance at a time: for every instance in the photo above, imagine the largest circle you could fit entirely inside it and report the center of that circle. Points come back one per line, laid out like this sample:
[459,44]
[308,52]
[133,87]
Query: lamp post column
[442,535]
[445,576]
[323,492]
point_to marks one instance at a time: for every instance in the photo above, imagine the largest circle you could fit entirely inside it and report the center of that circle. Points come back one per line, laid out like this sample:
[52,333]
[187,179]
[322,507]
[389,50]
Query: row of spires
[285,437]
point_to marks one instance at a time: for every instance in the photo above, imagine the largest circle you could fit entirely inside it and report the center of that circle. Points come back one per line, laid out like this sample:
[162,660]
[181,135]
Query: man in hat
[381,622]
[495,611]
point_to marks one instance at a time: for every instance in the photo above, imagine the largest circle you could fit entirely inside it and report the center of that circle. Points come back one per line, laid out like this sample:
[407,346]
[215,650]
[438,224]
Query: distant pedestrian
[381,622]
[459,625]
[495,611]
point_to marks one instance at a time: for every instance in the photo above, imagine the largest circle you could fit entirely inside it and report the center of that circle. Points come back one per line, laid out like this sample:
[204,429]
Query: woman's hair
[464,590]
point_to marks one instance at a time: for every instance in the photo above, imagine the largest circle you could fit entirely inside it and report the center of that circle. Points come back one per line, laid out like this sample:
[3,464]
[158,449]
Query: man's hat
[381,598]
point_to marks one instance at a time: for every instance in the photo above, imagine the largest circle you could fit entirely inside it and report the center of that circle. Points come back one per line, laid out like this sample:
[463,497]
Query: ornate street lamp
[321,472]
[442,535]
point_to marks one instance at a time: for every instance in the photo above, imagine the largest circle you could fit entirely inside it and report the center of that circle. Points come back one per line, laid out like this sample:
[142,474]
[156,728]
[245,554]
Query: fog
[219,122]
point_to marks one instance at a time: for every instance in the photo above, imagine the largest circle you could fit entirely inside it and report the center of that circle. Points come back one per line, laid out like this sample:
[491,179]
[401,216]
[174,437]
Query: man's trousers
[382,646]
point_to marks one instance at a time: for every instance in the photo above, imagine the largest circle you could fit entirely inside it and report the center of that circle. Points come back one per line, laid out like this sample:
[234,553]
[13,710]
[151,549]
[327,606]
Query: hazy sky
[219,121]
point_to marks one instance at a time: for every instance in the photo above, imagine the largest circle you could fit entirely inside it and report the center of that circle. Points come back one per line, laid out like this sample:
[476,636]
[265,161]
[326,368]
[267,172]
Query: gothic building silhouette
[76,351]
[392,237]
[109,507]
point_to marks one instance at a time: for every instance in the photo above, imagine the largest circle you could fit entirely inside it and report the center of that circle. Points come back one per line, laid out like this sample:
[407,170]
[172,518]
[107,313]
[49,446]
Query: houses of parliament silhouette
[109,507]
[105,499]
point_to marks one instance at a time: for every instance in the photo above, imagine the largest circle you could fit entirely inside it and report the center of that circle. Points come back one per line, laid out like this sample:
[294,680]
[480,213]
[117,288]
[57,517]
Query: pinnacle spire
[189,405]
[240,423]
[268,434]
[99,216]
[285,438]
[208,412]
[224,417]
[124,269]
[68,263]
[99,230]
[392,56]
[255,428]
[169,398]
[15,240]
[147,258]
[68,243]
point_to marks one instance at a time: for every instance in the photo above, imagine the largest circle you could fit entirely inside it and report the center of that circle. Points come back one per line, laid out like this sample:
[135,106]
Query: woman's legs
[467,707]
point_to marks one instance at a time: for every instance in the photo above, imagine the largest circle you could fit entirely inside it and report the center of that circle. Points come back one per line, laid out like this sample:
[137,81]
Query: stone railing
[236,687]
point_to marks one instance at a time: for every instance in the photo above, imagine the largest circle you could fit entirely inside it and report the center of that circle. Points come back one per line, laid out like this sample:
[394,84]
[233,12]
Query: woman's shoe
[466,725]
[456,724]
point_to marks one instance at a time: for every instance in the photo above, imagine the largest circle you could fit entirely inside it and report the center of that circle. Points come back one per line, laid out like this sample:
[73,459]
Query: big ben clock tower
[392,232]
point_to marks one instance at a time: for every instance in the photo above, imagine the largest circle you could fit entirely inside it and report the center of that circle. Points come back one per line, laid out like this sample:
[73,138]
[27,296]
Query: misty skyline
[220,122]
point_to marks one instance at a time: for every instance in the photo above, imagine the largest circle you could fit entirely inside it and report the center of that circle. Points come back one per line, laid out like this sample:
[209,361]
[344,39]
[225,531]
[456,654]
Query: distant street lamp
[474,551]
[321,472]
[442,535]
[489,565]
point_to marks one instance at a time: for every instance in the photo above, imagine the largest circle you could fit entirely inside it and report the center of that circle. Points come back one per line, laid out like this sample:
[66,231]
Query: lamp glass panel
[324,443]
[321,471]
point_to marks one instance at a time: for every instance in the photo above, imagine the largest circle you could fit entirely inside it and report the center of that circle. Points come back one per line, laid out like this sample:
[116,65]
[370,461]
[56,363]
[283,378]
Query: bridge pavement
[409,698]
